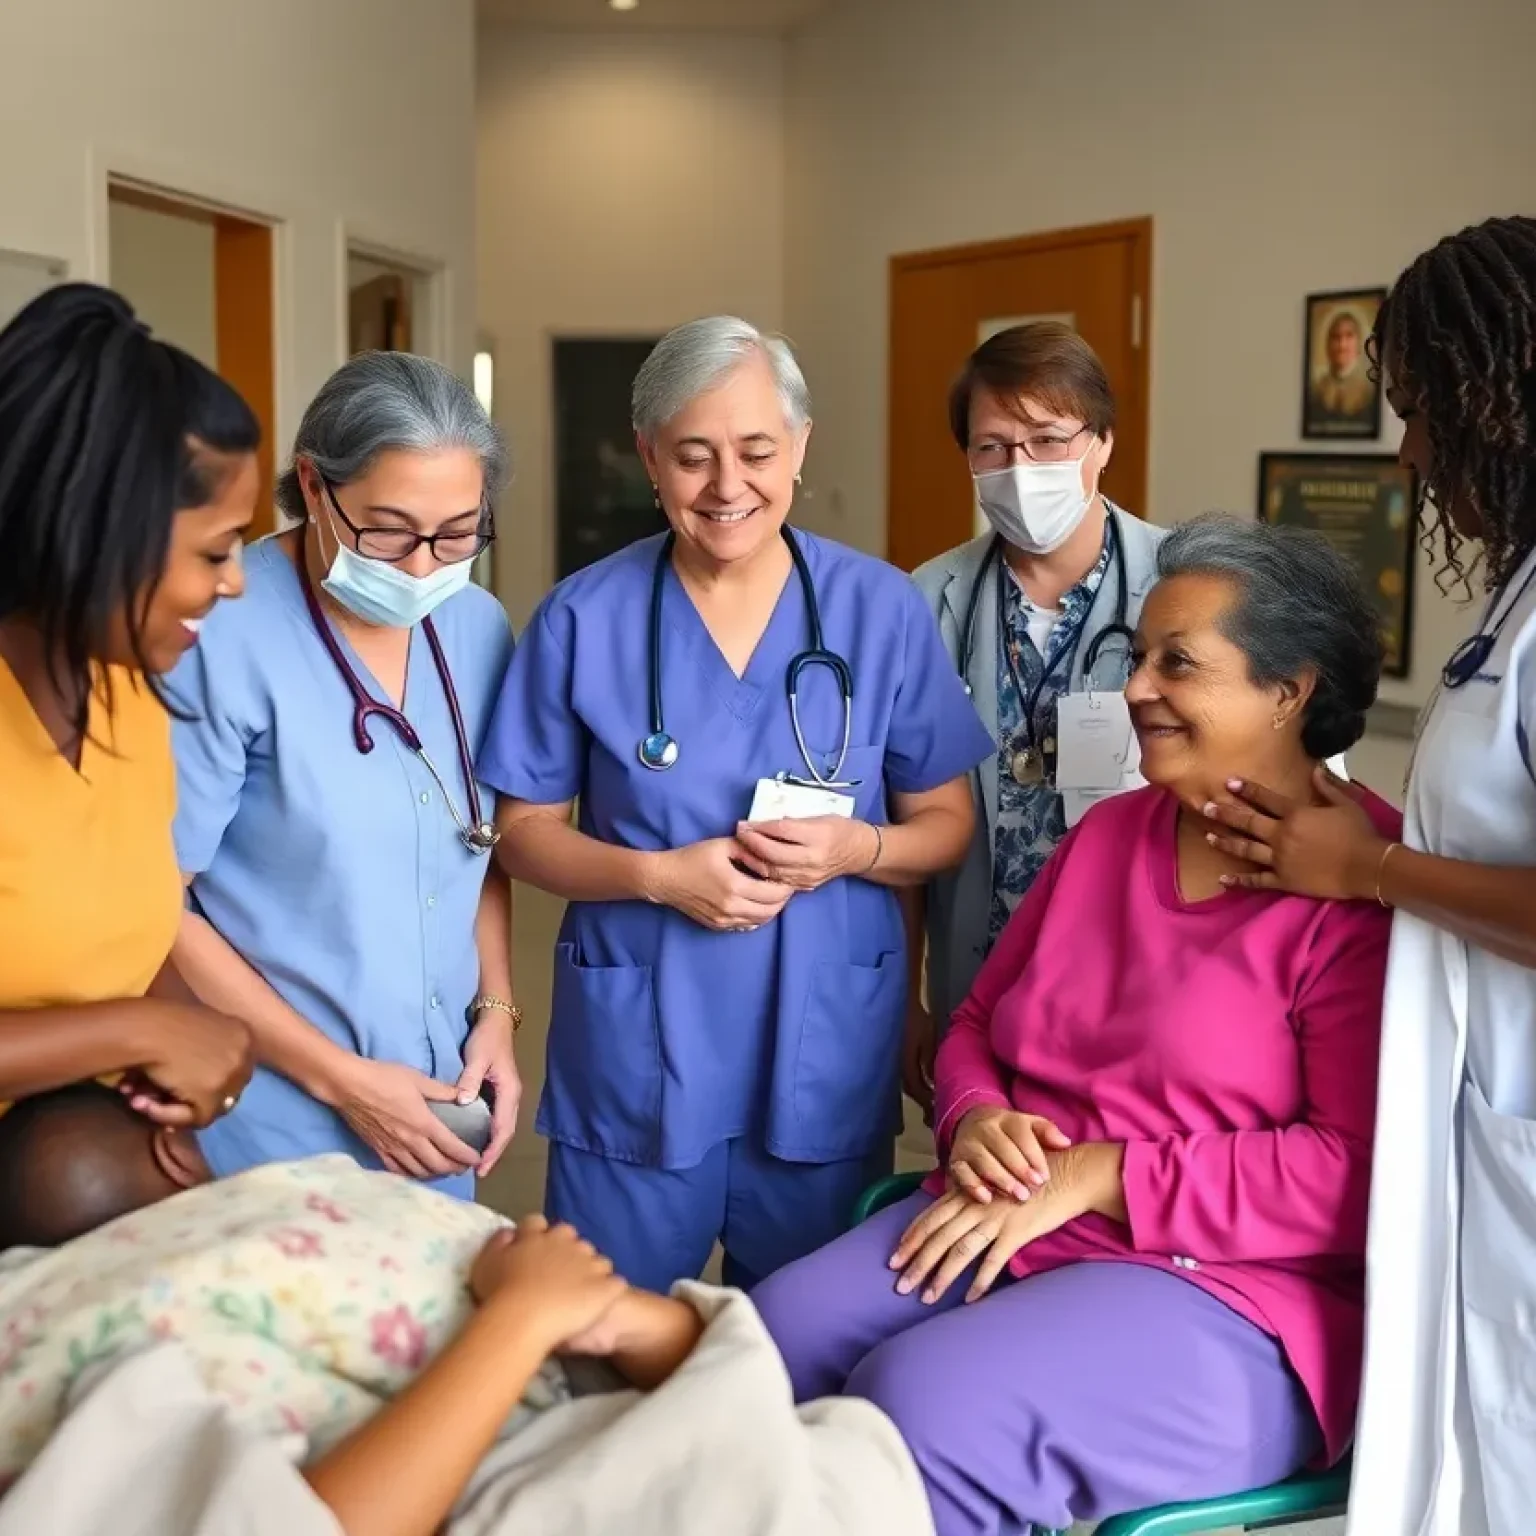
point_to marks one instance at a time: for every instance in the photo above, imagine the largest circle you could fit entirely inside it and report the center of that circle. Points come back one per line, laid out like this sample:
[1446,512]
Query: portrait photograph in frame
[1340,393]
[1364,504]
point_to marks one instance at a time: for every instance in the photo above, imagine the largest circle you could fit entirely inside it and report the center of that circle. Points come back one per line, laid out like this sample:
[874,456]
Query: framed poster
[603,496]
[1365,505]
[1340,392]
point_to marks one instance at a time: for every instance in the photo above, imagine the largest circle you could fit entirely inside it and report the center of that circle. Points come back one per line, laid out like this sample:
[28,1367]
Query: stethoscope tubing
[477,834]
[1118,628]
[659,751]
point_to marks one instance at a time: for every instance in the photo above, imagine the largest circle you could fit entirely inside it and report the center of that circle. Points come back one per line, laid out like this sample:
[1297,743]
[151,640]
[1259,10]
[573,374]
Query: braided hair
[105,434]
[1458,332]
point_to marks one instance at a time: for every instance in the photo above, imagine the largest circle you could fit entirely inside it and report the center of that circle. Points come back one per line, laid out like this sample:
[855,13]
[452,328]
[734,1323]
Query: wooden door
[245,331]
[381,315]
[242,261]
[945,302]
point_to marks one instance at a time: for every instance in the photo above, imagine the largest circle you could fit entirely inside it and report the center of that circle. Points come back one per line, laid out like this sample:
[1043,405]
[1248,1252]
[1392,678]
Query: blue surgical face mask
[383,594]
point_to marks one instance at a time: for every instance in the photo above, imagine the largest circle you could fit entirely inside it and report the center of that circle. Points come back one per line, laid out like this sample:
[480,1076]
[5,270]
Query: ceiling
[694,15]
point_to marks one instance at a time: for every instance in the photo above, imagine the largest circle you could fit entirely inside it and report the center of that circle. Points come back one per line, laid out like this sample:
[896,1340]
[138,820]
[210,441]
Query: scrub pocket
[603,1090]
[848,1065]
[1498,1281]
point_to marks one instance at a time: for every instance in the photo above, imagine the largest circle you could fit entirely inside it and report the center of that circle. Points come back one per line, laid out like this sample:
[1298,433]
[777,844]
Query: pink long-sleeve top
[1229,1043]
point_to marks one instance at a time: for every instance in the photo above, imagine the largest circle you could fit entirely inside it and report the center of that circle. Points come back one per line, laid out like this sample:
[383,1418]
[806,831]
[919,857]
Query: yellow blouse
[90,895]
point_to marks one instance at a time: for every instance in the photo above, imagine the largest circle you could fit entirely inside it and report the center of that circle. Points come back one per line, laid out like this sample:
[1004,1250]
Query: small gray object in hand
[471,1122]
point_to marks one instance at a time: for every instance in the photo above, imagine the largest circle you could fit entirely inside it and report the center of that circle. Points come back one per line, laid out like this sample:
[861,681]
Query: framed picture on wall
[1340,396]
[1364,505]
[603,496]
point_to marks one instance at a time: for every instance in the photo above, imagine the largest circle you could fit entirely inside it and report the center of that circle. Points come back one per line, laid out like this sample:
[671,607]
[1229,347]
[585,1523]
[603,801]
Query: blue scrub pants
[659,1225]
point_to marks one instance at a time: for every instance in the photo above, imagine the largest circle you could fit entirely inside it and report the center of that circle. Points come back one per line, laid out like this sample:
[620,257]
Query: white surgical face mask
[380,593]
[1036,507]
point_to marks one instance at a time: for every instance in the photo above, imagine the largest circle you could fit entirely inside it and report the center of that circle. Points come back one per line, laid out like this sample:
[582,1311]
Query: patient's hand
[1003,1150]
[645,1336]
[550,1274]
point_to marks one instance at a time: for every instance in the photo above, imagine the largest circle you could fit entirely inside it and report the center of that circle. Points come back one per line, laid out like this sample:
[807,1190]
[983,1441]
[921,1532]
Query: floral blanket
[304,1294]
[145,1450]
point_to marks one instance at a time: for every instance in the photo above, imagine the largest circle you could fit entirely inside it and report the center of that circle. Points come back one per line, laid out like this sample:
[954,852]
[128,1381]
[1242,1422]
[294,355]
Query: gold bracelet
[484,1001]
[879,848]
[1381,869]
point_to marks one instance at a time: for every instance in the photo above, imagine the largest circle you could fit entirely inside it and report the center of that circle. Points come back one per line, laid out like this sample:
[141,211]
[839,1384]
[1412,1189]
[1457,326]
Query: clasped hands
[736,884]
[1013,1178]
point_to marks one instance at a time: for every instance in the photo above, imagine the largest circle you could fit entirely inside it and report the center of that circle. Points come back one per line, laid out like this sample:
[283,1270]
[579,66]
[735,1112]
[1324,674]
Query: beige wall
[339,117]
[163,266]
[626,183]
[1281,149]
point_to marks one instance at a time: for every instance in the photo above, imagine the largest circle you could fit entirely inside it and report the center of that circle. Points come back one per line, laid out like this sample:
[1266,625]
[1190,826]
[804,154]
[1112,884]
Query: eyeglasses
[395,544]
[1052,446]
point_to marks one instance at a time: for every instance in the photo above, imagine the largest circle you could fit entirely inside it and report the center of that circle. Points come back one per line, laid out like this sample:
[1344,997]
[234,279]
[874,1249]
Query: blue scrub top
[667,1038]
[339,876]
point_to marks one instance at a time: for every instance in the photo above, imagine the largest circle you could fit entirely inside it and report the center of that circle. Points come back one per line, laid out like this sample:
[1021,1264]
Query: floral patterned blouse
[1030,818]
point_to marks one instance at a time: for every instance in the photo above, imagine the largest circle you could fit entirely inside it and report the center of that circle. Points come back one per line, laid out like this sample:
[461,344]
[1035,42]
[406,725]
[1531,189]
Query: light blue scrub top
[339,876]
[666,1038]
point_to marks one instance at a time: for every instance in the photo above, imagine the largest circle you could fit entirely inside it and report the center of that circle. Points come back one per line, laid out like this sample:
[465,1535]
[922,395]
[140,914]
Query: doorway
[604,500]
[945,302]
[201,278]
[389,304]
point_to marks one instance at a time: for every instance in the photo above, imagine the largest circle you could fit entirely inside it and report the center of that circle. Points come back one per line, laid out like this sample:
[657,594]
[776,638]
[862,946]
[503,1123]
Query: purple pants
[1067,1396]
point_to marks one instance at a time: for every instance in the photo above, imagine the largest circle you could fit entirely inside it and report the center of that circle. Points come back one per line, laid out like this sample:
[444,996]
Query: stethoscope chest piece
[658,751]
[481,839]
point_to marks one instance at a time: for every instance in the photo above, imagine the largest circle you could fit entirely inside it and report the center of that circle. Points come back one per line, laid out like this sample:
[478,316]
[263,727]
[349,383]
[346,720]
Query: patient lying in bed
[307,1294]
[308,1348]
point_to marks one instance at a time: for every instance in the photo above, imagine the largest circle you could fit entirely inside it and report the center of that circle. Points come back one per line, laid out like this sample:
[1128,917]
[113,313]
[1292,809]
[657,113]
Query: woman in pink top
[1155,1109]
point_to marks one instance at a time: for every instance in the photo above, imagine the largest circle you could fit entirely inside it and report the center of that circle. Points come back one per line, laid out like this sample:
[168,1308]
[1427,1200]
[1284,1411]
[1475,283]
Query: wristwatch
[484,1000]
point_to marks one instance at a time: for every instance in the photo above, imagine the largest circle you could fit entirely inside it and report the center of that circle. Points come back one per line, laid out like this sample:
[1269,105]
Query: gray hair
[1301,607]
[694,358]
[383,400]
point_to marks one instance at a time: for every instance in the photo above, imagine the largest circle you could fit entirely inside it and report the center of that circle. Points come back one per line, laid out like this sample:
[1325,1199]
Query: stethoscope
[478,835]
[1471,656]
[1028,766]
[1118,629]
[659,751]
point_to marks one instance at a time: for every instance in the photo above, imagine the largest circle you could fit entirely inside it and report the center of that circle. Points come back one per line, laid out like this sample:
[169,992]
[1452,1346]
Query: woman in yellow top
[127,476]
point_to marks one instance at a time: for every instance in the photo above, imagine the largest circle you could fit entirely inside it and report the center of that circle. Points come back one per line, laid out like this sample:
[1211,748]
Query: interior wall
[1281,150]
[337,117]
[626,183]
[163,266]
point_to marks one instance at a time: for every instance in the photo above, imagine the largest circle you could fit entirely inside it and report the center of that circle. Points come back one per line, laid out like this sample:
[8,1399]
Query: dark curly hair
[105,434]
[1458,335]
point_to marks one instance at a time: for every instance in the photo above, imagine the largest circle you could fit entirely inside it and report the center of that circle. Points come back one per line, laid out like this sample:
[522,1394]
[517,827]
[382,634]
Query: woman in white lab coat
[1447,1433]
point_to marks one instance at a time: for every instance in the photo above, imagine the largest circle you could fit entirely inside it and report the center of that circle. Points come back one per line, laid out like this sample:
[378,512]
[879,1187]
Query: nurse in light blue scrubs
[728,999]
[343,901]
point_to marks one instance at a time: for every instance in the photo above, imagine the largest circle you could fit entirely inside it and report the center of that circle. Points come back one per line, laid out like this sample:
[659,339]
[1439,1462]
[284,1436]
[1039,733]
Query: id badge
[777,800]
[1096,748]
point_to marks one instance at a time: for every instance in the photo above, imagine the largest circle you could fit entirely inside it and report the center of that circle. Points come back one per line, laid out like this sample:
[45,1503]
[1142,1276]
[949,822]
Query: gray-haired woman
[764,737]
[329,824]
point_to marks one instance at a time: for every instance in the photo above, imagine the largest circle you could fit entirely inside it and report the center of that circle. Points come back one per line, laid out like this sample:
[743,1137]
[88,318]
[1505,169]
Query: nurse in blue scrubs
[728,998]
[343,901]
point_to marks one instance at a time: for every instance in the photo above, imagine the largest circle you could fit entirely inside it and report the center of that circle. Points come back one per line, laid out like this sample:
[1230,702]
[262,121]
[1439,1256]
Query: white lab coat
[1447,1434]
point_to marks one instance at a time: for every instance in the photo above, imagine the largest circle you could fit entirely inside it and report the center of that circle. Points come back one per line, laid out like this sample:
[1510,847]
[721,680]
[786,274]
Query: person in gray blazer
[1041,606]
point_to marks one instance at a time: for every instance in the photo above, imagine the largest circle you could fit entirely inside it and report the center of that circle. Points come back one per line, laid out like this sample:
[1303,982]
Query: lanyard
[1028,765]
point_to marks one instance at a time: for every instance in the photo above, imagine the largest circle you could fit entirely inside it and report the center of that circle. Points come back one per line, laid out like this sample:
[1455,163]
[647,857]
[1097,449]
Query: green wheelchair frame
[1307,1496]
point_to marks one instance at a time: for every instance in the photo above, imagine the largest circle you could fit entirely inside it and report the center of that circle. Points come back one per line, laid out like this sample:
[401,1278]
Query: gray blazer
[960,901]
